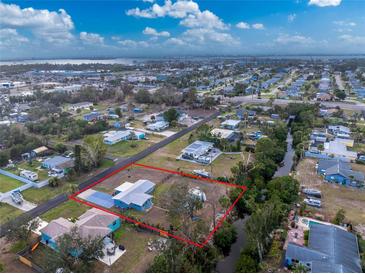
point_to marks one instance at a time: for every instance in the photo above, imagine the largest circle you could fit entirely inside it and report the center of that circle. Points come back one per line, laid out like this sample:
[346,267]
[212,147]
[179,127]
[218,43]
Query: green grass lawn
[69,209]
[132,147]
[7,183]
[40,195]
[42,173]
[7,212]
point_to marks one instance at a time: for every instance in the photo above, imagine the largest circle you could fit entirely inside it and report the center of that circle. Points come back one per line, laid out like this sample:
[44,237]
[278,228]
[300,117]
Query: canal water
[288,158]
[228,264]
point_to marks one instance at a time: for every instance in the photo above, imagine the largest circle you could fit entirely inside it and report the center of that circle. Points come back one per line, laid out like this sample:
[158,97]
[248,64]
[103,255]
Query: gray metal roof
[136,194]
[340,167]
[330,249]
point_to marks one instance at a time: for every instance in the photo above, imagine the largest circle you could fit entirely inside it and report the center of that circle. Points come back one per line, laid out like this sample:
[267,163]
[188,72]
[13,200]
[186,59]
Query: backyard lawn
[7,183]
[137,258]
[7,212]
[69,209]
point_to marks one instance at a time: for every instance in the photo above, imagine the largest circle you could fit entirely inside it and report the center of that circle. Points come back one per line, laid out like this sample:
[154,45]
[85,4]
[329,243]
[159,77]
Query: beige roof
[93,223]
[57,228]
[40,149]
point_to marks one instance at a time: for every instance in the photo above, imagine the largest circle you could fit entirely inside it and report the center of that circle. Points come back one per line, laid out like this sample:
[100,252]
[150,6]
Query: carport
[98,198]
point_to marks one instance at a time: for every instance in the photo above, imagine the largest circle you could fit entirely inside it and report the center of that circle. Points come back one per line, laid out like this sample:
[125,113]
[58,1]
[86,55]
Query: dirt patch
[9,260]
[334,196]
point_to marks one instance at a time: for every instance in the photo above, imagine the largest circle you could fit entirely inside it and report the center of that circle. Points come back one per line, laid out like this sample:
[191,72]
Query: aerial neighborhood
[120,166]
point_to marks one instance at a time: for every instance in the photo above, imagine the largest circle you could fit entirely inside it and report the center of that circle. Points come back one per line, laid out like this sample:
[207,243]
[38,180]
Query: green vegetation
[18,246]
[225,237]
[69,209]
[7,212]
[7,183]
[41,195]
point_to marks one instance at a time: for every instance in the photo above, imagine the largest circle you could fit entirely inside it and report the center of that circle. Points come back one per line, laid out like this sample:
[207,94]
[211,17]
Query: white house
[82,105]
[231,124]
[114,137]
[158,126]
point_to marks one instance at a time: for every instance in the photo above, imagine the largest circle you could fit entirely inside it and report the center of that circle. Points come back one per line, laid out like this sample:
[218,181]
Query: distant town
[220,164]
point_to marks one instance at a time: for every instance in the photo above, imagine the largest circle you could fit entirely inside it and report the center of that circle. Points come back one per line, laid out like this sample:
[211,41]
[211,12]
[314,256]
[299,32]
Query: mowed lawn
[69,209]
[7,212]
[137,257]
[132,147]
[41,195]
[7,183]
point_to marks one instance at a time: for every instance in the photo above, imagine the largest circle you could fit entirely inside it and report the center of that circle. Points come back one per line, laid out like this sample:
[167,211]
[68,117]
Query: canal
[285,169]
[228,264]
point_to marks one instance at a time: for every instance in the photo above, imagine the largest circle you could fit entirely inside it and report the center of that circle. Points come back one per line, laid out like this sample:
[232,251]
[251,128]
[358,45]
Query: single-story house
[114,137]
[134,195]
[330,249]
[93,116]
[340,172]
[82,105]
[223,133]
[158,126]
[338,149]
[338,129]
[58,162]
[197,149]
[231,124]
[39,151]
[244,113]
[93,223]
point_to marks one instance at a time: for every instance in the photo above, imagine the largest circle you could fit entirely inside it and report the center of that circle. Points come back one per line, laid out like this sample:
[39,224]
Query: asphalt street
[42,208]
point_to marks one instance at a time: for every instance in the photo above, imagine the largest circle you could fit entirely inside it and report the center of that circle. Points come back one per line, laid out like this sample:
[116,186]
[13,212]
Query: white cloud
[179,9]
[132,43]
[175,41]
[354,40]
[48,25]
[203,35]
[242,25]
[325,3]
[258,26]
[205,19]
[149,1]
[11,38]
[91,38]
[293,39]
[345,23]
[153,32]
[292,17]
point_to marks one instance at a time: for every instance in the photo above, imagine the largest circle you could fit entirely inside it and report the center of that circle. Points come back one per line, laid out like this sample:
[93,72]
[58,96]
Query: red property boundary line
[161,231]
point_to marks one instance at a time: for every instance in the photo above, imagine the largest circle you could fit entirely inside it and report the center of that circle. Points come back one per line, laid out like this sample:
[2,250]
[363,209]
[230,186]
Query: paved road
[254,100]
[39,210]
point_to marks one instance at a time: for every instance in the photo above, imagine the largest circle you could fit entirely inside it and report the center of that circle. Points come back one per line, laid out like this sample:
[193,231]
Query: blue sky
[117,28]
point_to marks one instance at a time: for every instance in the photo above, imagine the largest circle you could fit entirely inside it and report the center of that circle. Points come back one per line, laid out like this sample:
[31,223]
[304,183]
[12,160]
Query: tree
[75,253]
[21,228]
[190,97]
[61,148]
[171,115]
[209,102]
[340,94]
[118,111]
[225,237]
[246,264]
[54,182]
[93,151]
[286,188]
[143,96]
[78,161]
[4,158]
[339,217]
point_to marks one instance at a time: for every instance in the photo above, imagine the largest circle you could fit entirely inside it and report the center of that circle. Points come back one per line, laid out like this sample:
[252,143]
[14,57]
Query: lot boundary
[153,228]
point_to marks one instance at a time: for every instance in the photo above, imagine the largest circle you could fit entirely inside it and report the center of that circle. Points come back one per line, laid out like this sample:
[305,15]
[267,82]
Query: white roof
[231,122]
[124,187]
[338,148]
[117,135]
[222,133]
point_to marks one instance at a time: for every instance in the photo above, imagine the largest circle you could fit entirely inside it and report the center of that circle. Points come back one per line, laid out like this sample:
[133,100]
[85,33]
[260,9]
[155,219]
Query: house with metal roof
[338,149]
[223,133]
[197,149]
[158,126]
[330,249]
[93,223]
[337,171]
[58,162]
[115,137]
[134,195]
[230,124]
